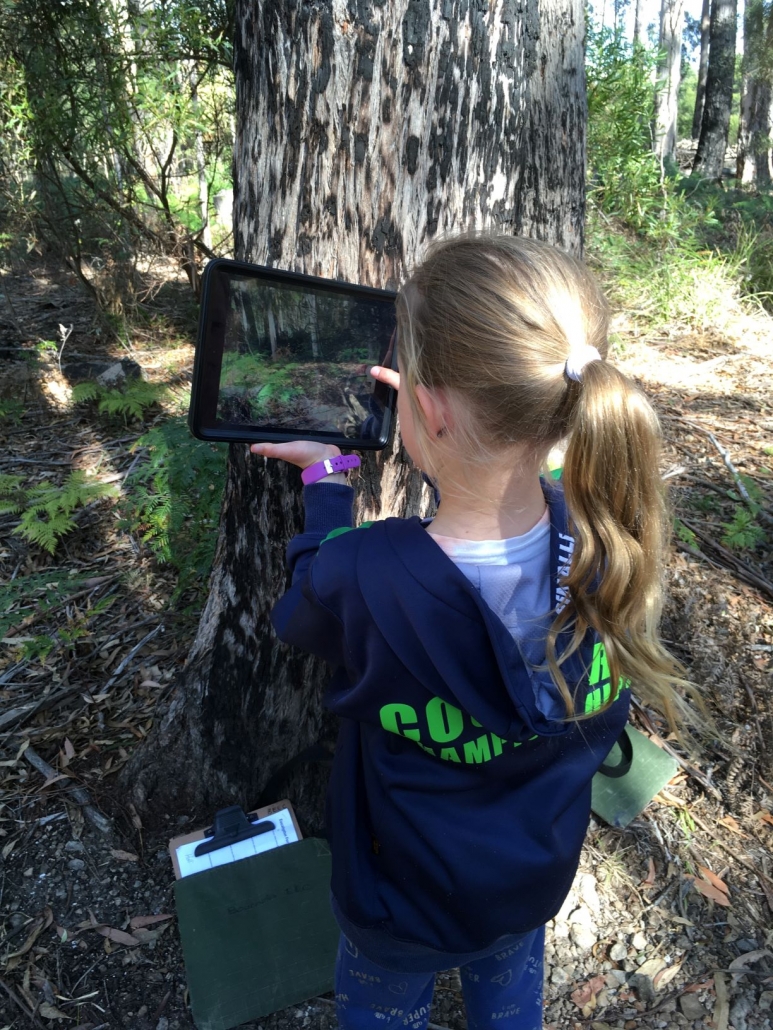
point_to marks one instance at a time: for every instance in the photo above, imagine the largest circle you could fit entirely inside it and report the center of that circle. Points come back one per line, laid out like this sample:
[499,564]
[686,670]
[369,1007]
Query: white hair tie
[579,357]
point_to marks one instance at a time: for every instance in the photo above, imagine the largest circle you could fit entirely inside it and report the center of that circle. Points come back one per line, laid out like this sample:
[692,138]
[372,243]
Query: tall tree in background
[753,158]
[703,68]
[710,157]
[639,24]
[362,133]
[669,76]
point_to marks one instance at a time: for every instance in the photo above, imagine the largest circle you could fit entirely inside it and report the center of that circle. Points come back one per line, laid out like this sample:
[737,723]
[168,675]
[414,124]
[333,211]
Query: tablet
[283,356]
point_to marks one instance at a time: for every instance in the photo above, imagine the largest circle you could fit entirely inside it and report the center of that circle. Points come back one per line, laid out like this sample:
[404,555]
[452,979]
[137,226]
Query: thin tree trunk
[359,138]
[752,161]
[703,67]
[669,77]
[639,25]
[710,158]
[201,164]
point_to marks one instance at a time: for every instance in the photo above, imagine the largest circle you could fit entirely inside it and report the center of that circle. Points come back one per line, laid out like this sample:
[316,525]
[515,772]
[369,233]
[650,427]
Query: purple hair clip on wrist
[329,467]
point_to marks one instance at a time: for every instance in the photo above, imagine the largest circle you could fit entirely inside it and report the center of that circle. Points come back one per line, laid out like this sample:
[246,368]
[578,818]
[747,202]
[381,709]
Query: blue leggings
[501,992]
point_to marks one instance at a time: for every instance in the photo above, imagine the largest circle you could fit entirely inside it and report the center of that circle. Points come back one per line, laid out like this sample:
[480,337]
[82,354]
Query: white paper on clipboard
[285,832]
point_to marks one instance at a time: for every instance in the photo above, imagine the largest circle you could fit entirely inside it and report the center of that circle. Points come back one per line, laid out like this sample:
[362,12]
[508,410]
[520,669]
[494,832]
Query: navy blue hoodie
[459,798]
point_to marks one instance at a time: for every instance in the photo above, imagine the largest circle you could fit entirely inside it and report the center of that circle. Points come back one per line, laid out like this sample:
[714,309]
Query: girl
[481,659]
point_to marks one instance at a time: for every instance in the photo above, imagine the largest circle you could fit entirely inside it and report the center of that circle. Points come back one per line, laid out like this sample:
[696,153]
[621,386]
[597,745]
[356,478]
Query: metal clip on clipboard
[230,826]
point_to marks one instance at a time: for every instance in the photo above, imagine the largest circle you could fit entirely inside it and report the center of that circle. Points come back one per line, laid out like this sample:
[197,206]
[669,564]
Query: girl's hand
[297,452]
[387,376]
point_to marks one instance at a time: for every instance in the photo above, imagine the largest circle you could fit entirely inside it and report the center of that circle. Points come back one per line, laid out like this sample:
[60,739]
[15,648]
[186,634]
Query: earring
[441,432]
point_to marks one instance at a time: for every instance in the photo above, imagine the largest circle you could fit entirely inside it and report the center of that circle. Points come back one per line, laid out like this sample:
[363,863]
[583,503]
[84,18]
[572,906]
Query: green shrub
[172,500]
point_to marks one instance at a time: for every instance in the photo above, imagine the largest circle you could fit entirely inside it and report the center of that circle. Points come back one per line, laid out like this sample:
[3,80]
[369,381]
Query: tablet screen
[284,356]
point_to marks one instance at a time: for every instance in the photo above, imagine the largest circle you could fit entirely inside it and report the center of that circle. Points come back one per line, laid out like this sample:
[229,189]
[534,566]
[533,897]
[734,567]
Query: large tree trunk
[710,157]
[703,68]
[669,77]
[362,132]
[752,162]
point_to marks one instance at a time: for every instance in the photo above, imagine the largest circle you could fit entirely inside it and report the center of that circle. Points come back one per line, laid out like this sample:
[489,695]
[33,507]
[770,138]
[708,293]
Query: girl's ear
[436,409]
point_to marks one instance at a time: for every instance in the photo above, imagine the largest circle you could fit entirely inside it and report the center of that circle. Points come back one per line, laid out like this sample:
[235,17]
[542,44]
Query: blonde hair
[491,320]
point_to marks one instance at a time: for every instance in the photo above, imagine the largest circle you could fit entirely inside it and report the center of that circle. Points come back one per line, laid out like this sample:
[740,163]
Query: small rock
[162,1024]
[639,941]
[746,944]
[691,1007]
[76,864]
[73,845]
[18,919]
[583,937]
[588,891]
[561,929]
[142,1010]
[618,952]
[558,977]
[28,872]
[766,1001]
[739,1010]
[643,987]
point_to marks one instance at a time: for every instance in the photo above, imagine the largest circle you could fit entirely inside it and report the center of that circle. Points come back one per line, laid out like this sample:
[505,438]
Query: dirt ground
[669,923]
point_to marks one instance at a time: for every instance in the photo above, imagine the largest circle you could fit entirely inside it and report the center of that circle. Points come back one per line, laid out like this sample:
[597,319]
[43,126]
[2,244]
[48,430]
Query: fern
[685,534]
[11,495]
[743,531]
[11,410]
[130,402]
[172,500]
[47,510]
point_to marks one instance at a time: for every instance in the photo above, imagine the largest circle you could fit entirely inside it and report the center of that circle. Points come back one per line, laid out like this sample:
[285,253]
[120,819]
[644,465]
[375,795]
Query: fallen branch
[78,794]
[737,565]
[755,509]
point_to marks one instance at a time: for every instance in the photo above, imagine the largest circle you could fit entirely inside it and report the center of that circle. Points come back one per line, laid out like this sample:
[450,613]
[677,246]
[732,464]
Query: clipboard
[258,932]
[633,773]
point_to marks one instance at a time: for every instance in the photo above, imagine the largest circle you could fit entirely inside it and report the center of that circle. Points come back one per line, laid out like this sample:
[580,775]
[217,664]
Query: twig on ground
[657,739]
[78,794]
[739,566]
[696,553]
[733,852]
[92,584]
[130,655]
[20,1004]
[755,508]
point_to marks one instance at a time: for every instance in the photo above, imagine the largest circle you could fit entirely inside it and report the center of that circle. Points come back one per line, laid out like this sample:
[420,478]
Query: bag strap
[616,771]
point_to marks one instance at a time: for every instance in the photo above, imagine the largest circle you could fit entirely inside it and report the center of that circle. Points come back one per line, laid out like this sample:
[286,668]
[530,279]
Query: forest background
[117,124]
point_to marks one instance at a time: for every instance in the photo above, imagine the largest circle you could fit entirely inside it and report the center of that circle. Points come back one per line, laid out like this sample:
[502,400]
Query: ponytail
[616,499]
[516,331]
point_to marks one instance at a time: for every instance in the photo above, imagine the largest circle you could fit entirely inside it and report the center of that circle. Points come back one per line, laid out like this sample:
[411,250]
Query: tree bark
[703,67]
[362,132]
[639,25]
[753,157]
[710,157]
[669,77]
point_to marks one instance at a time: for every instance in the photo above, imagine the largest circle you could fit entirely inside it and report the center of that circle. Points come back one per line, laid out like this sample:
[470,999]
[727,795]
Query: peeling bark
[364,129]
